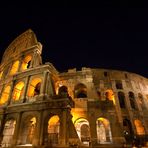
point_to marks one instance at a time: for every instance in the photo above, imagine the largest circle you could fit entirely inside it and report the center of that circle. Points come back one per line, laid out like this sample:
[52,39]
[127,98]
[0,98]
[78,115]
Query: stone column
[2,124]
[129,109]
[51,90]
[36,140]
[117,108]
[11,92]
[43,84]
[42,126]
[17,129]
[25,89]
[63,128]
[116,129]
[92,124]
[117,104]
[20,63]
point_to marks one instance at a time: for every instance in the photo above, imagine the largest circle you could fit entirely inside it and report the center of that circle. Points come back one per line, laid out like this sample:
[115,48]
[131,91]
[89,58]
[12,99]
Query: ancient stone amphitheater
[40,107]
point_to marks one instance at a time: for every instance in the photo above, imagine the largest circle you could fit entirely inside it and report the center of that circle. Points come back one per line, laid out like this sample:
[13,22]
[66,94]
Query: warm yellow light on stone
[105,121]
[139,127]
[53,120]
[110,95]
[14,68]
[5,95]
[18,89]
[25,62]
[77,113]
[1,73]
[33,84]
[33,121]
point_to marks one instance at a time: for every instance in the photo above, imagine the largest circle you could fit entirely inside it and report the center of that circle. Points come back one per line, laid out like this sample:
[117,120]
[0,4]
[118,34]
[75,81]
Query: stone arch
[22,43]
[34,87]
[28,129]
[80,91]
[83,130]
[103,130]
[139,127]
[132,100]
[14,68]
[121,98]
[5,94]
[63,91]
[8,133]
[127,127]
[52,130]
[18,91]
[26,62]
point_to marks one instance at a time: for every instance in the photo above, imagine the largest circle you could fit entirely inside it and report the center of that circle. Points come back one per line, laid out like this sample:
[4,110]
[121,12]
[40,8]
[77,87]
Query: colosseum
[41,107]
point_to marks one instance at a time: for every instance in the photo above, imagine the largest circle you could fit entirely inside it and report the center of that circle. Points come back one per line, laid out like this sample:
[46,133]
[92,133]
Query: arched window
[63,92]
[139,127]
[109,95]
[80,91]
[83,130]
[105,73]
[18,90]
[53,129]
[28,130]
[34,88]
[103,130]
[14,67]
[26,62]
[132,100]
[127,127]
[5,95]
[99,95]
[8,133]
[119,84]
[121,98]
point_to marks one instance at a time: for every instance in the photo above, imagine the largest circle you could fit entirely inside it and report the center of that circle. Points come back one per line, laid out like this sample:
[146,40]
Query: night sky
[74,35]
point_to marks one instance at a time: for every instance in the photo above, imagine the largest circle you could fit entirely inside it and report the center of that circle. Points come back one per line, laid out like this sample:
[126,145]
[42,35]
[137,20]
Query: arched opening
[28,131]
[18,91]
[99,95]
[8,133]
[119,84]
[105,73]
[34,88]
[14,67]
[63,92]
[103,131]
[121,98]
[53,130]
[109,95]
[139,127]
[26,62]
[127,130]
[83,130]
[5,95]
[132,100]
[141,101]
[80,91]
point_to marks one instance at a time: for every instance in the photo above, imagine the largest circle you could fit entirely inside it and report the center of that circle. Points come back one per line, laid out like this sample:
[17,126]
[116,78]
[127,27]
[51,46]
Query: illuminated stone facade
[91,108]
